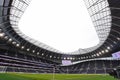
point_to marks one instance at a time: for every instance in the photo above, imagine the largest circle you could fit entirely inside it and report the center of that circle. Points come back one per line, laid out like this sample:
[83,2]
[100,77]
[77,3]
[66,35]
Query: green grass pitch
[25,76]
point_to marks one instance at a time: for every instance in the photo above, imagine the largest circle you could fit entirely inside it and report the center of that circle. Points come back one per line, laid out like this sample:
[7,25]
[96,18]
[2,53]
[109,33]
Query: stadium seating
[92,67]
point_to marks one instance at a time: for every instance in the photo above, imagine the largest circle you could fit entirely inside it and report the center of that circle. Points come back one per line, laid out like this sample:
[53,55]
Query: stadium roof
[94,11]
[104,14]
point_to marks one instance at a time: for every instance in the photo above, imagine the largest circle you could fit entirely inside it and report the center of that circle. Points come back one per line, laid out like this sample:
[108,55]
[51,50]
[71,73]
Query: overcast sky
[62,24]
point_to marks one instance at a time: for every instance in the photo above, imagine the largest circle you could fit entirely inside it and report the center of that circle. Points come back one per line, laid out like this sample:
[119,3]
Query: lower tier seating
[91,67]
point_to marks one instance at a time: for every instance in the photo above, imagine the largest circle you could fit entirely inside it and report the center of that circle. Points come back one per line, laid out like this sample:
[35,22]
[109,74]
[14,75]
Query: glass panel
[1,2]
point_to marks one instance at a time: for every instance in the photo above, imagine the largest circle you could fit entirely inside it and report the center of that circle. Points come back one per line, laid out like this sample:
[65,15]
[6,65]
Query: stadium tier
[20,53]
[91,67]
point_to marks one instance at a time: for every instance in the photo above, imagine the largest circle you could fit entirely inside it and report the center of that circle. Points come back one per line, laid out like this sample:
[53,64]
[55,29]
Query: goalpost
[3,69]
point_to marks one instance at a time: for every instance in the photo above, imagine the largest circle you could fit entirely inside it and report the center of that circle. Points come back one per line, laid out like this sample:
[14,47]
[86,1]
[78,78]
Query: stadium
[23,58]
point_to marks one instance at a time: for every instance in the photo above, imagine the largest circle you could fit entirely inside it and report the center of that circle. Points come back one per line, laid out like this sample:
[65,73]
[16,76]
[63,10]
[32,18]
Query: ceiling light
[98,54]
[2,34]
[118,38]
[50,56]
[102,51]
[28,49]
[64,58]
[33,51]
[22,47]
[6,37]
[68,58]
[17,45]
[108,47]
[42,54]
[71,58]
[10,40]
[13,42]
[38,53]
[106,50]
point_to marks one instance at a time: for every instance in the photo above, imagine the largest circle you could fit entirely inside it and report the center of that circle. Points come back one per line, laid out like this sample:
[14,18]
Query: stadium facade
[20,53]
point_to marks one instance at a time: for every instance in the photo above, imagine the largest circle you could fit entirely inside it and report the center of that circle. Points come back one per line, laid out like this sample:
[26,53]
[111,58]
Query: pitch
[26,76]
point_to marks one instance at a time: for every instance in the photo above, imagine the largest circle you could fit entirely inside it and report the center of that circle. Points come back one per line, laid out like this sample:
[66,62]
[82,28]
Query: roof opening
[62,24]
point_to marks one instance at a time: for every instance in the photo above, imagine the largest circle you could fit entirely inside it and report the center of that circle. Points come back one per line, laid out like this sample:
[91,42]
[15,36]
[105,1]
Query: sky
[62,24]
